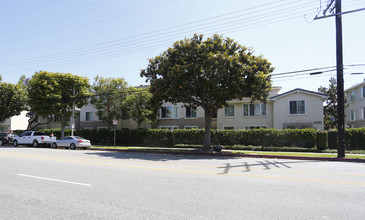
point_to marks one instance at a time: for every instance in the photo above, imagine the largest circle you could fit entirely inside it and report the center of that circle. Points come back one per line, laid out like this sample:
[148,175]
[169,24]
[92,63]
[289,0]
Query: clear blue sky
[114,38]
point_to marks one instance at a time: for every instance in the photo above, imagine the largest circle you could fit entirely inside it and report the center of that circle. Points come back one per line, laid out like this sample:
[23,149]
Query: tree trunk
[207,134]
[63,125]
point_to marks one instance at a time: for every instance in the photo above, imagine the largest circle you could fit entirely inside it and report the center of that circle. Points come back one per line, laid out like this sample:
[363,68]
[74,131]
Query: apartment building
[297,108]
[355,109]
[18,122]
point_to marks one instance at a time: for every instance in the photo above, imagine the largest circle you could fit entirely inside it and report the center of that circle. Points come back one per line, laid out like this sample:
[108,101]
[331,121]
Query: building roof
[297,90]
[355,86]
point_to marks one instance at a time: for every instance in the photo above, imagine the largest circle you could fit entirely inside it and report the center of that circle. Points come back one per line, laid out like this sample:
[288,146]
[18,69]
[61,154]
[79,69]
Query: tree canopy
[330,109]
[12,100]
[139,106]
[54,94]
[109,98]
[208,74]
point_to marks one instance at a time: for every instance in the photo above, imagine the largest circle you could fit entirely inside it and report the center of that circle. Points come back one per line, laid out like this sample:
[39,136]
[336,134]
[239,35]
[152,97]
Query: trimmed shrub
[355,138]
[188,136]
[321,141]
[266,138]
[332,139]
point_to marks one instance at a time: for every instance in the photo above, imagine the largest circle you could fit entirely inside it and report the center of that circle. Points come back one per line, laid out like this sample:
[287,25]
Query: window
[352,95]
[229,111]
[297,107]
[168,127]
[168,112]
[254,127]
[89,116]
[38,133]
[352,115]
[363,113]
[228,127]
[191,127]
[254,109]
[191,112]
[363,92]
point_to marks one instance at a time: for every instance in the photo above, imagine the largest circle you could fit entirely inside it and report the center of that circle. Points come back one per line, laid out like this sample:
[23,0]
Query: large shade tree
[12,100]
[208,74]
[109,98]
[53,94]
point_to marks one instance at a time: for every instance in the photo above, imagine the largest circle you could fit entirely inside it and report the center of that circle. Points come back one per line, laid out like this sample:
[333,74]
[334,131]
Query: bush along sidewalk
[307,139]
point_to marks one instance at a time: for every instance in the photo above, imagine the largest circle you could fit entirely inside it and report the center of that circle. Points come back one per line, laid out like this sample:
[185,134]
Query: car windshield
[77,137]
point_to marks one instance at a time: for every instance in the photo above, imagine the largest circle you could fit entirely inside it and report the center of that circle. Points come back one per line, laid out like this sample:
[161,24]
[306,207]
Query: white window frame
[228,116]
[170,127]
[249,126]
[229,126]
[99,128]
[191,127]
[191,112]
[297,100]
[260,105]
[90,118]
[352,95]
[174,112]
[352,115]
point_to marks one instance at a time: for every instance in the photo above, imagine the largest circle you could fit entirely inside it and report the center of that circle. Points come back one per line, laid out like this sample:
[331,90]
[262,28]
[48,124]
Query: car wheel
[1,142]
[73,146]
[54,145]
[15,143]
[35,143]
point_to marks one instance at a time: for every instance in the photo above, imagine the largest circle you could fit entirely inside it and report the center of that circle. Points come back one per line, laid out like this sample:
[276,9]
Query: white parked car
[71,142]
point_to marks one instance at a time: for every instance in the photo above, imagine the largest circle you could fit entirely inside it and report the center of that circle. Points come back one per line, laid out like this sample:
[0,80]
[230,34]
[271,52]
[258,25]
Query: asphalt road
[64,184]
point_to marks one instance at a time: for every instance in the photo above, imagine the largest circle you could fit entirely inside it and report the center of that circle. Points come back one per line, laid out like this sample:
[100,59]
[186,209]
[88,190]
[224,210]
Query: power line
[67,54]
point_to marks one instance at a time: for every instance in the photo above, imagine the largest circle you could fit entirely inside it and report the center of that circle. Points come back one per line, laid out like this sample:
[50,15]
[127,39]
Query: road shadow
[264,165]
[156,156]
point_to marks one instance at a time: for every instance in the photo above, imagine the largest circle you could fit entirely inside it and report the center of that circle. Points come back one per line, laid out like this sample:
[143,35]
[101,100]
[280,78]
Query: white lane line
[62,181]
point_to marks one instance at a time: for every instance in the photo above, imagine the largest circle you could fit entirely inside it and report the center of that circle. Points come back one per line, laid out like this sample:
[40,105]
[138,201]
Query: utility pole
[340,86]
[339,64]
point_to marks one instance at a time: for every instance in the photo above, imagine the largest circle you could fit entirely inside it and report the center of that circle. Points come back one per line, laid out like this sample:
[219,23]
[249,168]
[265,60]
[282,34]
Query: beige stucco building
[297,108]
[90,120]
[355,110]
[18,122]
[294,109]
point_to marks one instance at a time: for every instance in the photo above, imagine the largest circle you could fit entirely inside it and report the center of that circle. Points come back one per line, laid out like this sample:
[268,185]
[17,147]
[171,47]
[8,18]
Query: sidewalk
[224,153]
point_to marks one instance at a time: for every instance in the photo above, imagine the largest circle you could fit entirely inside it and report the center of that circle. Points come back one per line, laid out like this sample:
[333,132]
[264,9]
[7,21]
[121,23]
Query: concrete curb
[228,154]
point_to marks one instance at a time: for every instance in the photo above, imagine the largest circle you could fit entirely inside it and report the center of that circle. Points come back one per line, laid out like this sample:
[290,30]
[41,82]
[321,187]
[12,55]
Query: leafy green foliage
[321,141]
[53,94]
[12,100]
[110,98]
[304,140]
[330,109]
[208,74]
[139,106]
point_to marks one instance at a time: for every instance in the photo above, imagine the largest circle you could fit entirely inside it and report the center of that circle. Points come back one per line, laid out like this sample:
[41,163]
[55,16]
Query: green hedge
[354,139]
[307,138]
[321,141]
